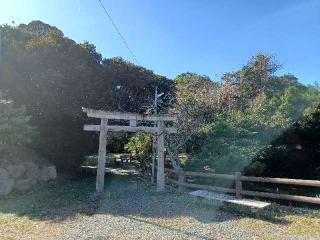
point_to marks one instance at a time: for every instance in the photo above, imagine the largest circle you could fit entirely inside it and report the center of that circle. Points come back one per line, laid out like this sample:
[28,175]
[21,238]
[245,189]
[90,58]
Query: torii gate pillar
[101,156]
[160,153]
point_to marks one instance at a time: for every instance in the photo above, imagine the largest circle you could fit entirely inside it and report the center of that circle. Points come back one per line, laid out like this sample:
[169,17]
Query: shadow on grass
[55,200]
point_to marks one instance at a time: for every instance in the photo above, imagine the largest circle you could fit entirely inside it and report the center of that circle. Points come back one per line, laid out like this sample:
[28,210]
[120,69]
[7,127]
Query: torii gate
[158,127]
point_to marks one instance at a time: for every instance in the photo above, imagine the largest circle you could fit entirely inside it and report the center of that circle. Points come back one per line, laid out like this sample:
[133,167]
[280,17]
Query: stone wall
[23,176]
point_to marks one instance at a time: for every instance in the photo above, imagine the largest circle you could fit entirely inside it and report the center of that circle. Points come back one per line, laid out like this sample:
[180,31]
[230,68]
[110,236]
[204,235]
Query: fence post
[238,184]
[181,178]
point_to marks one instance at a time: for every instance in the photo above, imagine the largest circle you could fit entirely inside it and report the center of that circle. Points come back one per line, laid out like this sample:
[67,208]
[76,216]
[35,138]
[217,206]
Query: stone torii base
[158,128]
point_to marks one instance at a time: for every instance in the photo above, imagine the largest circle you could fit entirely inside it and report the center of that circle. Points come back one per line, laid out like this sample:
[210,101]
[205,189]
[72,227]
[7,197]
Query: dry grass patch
[46,210]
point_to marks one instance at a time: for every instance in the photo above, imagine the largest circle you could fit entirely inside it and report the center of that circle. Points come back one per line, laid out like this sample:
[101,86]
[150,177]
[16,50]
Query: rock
[4,162]
[4,173]
[32,170]
[16,171]
[24,184]
[47,173]
[43,174]
[33,181]
[6,186]
[52,172]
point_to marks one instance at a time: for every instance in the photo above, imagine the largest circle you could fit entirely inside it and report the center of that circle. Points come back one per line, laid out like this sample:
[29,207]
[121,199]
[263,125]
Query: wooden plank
[210,175]
[249,203]
[314,183]
[133,123]
[114,128]
[282,196]
[128,116]
[238,184]
[288,197]
[181,179]
[229,199]
[205,175]
[101,158]
[160,154]
[204,187]
[91,127]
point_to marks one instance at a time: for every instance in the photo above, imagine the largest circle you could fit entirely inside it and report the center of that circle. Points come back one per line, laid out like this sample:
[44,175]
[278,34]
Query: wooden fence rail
[239,191]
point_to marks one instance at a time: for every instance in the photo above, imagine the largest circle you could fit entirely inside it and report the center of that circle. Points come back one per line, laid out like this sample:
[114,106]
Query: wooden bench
[125,158]
[224,198]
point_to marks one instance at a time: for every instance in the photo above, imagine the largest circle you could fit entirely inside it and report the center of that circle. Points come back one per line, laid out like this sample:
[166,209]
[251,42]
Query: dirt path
[131,210]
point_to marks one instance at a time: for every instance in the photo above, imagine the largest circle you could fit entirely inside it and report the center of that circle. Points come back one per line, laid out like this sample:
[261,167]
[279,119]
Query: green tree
[140,145]
[260,107]
[15,129]
[15,126]
[295,152]
[54,77]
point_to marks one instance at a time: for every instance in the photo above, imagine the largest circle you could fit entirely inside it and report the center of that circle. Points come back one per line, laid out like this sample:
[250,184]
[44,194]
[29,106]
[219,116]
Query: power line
[118,31]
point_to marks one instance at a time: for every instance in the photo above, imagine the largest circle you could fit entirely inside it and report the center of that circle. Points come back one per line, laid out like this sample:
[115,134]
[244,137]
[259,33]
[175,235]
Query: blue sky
[174,36]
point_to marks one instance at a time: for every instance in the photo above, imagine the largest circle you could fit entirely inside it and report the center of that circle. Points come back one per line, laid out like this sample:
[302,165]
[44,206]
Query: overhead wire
[118,31]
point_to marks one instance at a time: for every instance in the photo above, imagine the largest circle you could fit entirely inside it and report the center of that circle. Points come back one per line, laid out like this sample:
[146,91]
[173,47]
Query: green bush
[295,153]
[259,129]
[140,145]
[226,149]
[16,134]
[15,128]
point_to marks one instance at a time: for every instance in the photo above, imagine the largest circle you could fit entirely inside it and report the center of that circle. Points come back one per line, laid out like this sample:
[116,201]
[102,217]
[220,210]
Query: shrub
[295,153]
[140,145]
[16,133]
[15,128]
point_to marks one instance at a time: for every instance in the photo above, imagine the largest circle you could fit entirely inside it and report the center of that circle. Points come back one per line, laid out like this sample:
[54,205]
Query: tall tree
[54,77]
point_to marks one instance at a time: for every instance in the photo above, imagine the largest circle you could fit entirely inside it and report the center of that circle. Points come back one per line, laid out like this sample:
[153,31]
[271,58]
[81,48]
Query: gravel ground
[132,210]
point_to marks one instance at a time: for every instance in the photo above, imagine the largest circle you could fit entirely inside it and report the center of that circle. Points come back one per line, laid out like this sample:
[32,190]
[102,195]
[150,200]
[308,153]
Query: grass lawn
[52,210]
[46,209]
